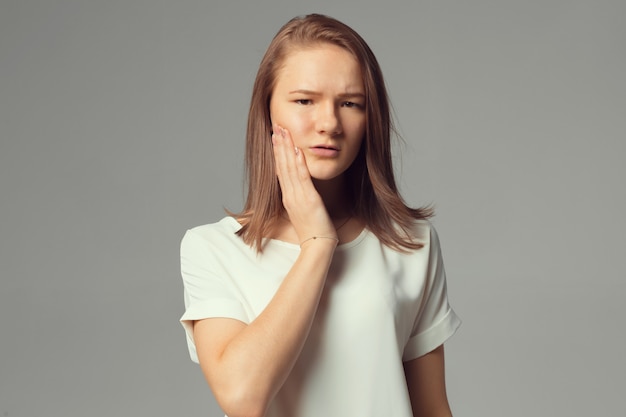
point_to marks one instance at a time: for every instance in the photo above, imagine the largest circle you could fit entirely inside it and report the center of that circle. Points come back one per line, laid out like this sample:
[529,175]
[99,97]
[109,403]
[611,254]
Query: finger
[296,168]
[289,149]
[285,150]
[302,168]
[283,153]
[279,157]
[299,167]
[292,171]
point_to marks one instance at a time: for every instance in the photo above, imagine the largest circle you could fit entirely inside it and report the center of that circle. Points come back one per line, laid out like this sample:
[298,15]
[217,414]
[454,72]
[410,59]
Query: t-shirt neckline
[341,246]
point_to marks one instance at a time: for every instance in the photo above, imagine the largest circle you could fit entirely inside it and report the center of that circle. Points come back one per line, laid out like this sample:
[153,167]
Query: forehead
[324,62]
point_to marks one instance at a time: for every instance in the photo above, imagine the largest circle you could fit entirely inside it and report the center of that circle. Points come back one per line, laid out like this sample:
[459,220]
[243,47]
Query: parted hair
[371,177]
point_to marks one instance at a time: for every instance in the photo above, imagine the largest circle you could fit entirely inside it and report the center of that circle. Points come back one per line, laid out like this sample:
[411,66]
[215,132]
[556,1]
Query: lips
[334,148]
[326,151]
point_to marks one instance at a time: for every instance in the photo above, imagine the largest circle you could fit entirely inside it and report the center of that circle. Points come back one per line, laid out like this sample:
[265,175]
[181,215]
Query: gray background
[122,125]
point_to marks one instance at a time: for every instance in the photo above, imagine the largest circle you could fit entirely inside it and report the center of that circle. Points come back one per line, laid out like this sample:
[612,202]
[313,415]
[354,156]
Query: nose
[328,120]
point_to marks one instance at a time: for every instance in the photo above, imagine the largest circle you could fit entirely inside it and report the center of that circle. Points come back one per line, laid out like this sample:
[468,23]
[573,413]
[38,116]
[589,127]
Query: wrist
[312,239]
[319,246]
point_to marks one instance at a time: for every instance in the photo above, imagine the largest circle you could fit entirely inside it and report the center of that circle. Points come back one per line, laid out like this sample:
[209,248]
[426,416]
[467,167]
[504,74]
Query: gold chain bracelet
[319,237]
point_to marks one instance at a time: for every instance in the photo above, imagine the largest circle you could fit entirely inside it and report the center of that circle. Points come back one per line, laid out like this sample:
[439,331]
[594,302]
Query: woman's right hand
[247,364]
[303,204]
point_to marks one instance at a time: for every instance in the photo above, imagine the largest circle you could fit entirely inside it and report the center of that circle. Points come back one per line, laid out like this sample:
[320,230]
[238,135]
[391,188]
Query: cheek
[358,141]
[356,149]
[297,125]
[286,117]
[357,131]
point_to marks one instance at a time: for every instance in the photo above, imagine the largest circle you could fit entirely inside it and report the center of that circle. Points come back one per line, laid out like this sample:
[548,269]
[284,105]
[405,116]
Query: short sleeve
[435,321]
[207,293]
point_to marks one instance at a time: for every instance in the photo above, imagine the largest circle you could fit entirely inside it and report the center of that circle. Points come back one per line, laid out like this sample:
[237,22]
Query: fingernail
[297,150]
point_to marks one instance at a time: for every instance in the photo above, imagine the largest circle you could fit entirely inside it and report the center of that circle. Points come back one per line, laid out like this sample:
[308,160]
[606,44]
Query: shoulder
[424,233]
[214,235]
[225,227]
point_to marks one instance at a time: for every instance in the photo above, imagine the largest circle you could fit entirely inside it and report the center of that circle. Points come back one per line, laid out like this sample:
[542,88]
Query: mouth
[325,151]
[328,147]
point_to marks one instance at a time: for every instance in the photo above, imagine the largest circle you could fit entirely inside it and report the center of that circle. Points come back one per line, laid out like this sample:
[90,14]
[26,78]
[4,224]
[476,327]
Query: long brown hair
[377,200]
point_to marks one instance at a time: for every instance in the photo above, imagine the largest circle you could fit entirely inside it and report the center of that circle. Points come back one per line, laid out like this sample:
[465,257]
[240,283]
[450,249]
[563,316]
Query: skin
[319,98]
[317,101]
[425,379]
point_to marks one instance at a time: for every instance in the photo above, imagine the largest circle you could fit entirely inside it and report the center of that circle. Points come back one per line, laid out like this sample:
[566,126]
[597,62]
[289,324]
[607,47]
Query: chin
[326,176]
[325,171]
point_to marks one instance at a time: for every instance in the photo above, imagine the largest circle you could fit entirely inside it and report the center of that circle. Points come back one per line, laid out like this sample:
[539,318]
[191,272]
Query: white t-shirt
[380,307]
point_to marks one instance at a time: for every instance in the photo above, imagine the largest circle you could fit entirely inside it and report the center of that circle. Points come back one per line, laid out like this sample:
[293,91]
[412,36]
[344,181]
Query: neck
[336,195]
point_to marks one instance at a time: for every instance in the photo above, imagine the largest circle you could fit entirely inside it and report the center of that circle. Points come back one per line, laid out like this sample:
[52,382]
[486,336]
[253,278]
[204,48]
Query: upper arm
[208,292]
[425,378]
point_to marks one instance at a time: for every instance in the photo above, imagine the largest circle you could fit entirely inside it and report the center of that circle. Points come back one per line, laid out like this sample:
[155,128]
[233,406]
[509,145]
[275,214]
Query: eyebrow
[315,93]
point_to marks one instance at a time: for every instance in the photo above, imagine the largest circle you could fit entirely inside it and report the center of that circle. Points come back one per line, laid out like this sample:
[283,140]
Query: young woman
[326,295]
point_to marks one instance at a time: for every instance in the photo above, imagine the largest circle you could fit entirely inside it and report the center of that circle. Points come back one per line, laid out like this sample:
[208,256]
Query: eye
[303,101]
[351,104]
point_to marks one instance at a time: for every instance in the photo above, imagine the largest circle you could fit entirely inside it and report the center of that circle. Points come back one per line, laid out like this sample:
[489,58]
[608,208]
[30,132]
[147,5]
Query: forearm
[255,363]
[425,377]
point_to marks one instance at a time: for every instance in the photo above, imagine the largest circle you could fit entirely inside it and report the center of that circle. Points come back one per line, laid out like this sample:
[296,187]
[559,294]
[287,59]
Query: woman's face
[320,99]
